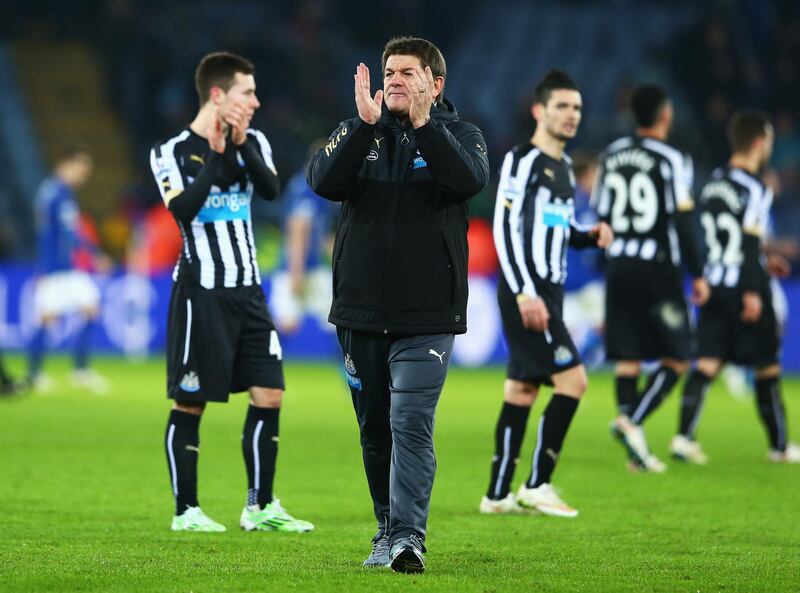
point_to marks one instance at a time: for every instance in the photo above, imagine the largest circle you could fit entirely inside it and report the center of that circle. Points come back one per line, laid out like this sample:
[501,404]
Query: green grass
[85,502]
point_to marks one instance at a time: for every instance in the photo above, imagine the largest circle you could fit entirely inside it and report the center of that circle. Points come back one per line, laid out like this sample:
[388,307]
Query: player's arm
[692,248]
[507,232]
[600,198]
[582,236]
[754,228]
[257,156]
[183,199]
[457,162]
[332,172]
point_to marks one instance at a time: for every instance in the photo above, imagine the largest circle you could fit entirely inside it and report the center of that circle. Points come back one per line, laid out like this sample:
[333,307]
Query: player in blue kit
[303,286]
[61,287]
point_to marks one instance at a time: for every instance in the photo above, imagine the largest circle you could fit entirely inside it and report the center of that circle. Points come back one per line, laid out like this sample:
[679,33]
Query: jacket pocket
[359,260]
[420,271]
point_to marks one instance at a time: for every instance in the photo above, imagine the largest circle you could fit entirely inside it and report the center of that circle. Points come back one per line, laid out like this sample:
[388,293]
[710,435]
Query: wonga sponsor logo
[225,206]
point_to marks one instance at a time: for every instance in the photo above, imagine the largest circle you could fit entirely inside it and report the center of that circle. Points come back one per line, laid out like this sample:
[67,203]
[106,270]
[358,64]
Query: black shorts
[646,312]
[722,334]
[534,357]
[220,341]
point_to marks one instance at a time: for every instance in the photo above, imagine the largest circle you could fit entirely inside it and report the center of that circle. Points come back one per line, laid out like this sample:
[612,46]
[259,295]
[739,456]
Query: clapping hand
[238,118]
[215,132]
[369,109]
[422,89]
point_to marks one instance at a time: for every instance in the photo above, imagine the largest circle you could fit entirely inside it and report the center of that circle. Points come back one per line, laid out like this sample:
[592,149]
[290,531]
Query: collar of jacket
[442,111]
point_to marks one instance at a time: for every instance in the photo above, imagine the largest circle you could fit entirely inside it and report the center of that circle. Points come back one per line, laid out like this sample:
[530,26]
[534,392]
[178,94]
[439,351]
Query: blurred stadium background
[117,75]
[84,502]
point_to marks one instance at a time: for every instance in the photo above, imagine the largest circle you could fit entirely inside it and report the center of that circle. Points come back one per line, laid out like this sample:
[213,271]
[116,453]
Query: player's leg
[629,435]
[626,379]
[258,367]
[659,385]
[47,307]
[8,386]
[182,445]
[761,344]
[418,368]
[199,358]
[518,398]
[622,336]
[87,298]
[568,388]
[366,368]
[773,415]
[684,446]
[36,351]
[82,375]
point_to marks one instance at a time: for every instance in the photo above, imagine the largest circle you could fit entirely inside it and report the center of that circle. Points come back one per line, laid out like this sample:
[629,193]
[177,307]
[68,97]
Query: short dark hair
[647,101]
[428,54]
[553,80]
[745,127]
[219,69]
[71,150]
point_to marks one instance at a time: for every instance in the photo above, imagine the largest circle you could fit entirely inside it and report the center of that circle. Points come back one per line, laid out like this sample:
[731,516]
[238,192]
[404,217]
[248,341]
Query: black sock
[5,378]
[659,384]
[508,437]
[770,408]
[553,428]
[626,394]
[182,444]
[694,395]
[260,449]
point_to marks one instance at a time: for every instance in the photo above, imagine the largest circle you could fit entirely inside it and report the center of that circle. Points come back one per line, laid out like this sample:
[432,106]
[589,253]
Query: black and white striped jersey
[534,218]
[218,245]
[642,184]
[734,207]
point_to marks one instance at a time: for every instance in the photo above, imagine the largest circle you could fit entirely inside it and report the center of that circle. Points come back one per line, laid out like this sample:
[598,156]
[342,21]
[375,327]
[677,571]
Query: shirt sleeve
[683,179]
[256,153]
[457,162]
[332,172]
[184,201]
[507,230]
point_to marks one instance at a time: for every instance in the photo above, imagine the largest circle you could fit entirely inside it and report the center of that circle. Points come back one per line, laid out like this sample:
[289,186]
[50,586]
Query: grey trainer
[379,557]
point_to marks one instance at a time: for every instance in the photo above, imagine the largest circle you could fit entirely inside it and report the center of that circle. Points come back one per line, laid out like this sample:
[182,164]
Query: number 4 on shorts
[275,345]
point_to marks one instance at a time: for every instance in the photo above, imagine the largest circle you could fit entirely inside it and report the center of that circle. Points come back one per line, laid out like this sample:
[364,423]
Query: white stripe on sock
[535,462]
[504,463]
[256,457]
[699,410]
[648,397]
[171,454]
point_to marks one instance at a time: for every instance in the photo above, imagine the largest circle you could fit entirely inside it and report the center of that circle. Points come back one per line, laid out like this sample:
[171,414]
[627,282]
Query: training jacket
[400,254]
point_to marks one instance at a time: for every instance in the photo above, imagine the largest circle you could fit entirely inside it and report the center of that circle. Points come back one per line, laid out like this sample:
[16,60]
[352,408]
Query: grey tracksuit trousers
[395,383]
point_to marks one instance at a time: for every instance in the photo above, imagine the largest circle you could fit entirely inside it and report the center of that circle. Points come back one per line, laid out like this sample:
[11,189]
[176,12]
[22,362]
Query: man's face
[398,80]
[76,171]
[561,114]
[241,93]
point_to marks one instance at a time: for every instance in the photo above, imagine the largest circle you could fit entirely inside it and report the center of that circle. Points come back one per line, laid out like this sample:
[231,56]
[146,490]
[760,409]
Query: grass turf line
[85,501]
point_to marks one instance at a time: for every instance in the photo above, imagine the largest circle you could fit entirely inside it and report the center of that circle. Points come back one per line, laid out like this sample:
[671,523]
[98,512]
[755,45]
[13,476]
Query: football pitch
[85,502]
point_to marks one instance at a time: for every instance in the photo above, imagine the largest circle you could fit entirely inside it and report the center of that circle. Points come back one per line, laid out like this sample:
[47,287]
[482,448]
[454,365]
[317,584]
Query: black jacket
[400,255]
